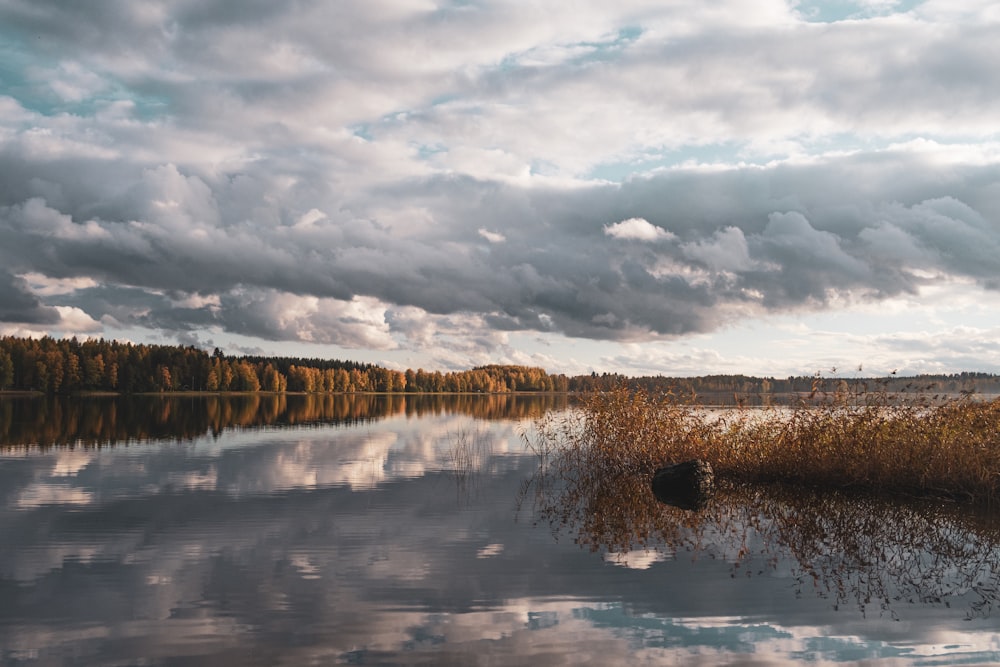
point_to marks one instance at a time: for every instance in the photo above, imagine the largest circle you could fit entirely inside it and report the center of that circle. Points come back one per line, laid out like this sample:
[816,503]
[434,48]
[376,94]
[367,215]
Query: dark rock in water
[686,485]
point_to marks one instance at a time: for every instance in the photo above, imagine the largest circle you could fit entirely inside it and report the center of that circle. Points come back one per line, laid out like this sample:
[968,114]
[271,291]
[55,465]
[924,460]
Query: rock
[686,485]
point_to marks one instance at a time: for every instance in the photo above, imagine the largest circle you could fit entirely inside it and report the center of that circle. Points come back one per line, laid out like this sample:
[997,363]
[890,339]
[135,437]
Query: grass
[855,439]
[469,454]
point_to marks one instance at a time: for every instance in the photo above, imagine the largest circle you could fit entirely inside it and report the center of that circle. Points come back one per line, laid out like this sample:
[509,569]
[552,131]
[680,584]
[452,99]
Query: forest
[830,382]
[69,365]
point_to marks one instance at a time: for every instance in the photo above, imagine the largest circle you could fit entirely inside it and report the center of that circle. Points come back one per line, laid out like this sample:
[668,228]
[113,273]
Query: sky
[679,188]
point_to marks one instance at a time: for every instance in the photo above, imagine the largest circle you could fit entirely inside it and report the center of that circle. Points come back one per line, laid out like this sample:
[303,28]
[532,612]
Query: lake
[375,530]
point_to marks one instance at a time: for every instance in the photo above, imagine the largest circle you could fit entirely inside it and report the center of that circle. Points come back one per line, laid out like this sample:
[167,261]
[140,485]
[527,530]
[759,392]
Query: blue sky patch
[831,11]
[34,82]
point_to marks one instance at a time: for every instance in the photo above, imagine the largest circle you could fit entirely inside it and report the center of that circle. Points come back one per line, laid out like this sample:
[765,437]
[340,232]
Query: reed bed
[857,439]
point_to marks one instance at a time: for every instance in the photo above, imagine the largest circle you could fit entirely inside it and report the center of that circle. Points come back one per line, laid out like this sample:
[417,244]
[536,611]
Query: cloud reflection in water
[281,546]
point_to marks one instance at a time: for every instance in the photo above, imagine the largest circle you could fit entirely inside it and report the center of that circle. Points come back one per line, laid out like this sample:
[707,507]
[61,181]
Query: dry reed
[858,439]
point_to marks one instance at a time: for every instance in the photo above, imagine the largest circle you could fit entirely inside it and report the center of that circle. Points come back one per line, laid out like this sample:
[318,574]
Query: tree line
[67,365]
[744,385]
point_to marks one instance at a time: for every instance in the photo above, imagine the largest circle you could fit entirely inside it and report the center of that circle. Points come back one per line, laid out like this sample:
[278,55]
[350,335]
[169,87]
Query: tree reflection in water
[97,421]
[869,552]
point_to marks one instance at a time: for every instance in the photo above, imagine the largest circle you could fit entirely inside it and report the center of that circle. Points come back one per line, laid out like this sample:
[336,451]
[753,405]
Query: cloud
[18,304]
[726,250]
[271,173]
[492,237]
[774,239]
[22,307]
[637,229]
[271,315]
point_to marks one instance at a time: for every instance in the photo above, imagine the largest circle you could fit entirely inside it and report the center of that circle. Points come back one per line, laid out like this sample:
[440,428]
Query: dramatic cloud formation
[446,184]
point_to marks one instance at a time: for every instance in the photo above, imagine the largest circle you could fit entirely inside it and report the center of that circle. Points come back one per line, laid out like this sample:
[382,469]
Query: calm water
[301,531]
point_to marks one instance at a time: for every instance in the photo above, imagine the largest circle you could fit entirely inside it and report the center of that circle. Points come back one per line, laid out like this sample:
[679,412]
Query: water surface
[375,530]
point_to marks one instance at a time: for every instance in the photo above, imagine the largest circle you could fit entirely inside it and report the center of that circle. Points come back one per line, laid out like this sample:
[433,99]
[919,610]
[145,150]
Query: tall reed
[863,439]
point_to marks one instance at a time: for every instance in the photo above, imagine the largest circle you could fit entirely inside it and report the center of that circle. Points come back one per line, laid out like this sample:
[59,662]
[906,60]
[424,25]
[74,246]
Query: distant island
[69,365]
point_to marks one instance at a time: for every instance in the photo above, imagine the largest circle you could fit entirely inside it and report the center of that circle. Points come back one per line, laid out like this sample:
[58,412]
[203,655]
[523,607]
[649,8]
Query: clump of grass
[865,440]
[470,453]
